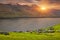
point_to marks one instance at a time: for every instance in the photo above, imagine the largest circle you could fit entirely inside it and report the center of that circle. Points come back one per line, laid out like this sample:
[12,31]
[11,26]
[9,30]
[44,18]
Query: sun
[43,8]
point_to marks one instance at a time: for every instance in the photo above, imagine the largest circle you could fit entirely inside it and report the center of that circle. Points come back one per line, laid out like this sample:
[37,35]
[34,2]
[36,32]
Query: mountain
[12,11]
[56,13]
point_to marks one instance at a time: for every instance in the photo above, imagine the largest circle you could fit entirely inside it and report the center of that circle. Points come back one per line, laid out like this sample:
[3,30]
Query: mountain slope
[11,11]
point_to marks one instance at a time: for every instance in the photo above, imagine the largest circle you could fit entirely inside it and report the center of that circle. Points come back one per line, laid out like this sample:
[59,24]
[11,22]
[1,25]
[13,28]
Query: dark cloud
[54,1]
[17,0]
[38,0]
[12,1]
[28,1]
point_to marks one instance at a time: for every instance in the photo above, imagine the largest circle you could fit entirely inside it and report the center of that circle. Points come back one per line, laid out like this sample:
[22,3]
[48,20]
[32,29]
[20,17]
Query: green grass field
[32,36]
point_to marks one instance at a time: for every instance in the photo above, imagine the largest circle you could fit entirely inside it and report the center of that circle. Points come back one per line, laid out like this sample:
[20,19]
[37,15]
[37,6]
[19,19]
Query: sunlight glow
[43,8]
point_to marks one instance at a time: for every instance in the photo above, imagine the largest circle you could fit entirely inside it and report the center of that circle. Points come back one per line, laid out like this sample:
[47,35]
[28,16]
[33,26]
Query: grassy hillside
[32,36]
[29,36]
[57,27]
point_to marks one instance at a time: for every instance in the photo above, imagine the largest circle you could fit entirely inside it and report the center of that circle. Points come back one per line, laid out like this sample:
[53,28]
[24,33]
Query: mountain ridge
[11,11]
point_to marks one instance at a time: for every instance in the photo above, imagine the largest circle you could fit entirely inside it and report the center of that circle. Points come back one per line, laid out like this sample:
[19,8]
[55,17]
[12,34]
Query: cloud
[17,1]
[38,0]
[28,1]
[54,1]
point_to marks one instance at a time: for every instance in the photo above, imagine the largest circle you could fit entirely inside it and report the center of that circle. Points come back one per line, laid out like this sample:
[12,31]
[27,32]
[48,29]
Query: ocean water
[23,24]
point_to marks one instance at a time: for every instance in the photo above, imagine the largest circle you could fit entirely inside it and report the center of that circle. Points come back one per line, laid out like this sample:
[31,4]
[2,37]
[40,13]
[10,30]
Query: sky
[29,1]
[55,3]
